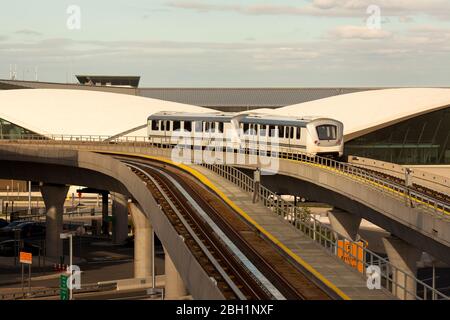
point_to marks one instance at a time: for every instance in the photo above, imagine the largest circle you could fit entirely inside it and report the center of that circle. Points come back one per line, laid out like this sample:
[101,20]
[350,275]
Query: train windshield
[327,132]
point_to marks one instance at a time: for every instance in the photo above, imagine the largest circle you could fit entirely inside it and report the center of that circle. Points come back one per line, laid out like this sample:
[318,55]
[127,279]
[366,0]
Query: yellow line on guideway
[242,213]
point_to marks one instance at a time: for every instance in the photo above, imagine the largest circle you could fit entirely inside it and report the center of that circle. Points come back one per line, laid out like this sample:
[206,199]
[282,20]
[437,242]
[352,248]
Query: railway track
[243,264]
[415,187]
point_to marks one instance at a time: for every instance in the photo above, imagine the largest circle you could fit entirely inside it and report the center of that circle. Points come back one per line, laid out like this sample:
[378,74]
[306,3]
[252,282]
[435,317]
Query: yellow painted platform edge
[209,184]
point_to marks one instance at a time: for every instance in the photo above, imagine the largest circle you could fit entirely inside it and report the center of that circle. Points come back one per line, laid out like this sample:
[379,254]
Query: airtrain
[312,135]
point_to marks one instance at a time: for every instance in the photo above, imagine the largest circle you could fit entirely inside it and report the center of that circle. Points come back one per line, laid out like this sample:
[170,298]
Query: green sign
[63,291]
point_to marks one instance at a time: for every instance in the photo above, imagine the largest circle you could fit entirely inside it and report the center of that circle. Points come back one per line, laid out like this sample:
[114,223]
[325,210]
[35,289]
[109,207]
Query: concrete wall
[53,165]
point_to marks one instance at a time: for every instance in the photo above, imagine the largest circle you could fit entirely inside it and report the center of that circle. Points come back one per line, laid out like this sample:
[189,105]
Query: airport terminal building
[408,126]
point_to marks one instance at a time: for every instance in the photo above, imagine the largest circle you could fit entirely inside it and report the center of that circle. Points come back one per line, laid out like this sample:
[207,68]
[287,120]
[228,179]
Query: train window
[163,125]
[220,127]
[155,125]
[327,132]
[281,130]
[272,131]
[198,126]
[291,132]
[176,125]
[286,132]
[246,128]
[188,126]
[299,130]
[262,131]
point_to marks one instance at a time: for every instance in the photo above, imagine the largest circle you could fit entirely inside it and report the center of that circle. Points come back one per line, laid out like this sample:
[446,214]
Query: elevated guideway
[412,216]
[61,167]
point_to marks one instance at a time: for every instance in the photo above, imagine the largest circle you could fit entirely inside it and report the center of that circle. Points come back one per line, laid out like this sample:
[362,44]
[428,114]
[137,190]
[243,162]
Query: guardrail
[402,192]
[393,279]
[50,292]
[41,213]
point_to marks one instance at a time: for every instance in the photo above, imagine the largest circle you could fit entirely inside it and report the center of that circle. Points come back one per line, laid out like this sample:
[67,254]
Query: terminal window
[9,130]
[421,140]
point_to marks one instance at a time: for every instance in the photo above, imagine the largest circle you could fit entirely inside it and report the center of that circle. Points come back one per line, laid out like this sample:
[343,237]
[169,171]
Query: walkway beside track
[345,278]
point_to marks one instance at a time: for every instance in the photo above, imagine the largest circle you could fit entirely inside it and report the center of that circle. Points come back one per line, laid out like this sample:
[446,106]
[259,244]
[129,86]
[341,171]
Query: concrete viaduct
[58,164]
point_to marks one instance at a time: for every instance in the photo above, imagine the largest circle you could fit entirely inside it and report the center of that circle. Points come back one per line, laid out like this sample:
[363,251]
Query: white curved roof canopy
[367,111]
[79,112]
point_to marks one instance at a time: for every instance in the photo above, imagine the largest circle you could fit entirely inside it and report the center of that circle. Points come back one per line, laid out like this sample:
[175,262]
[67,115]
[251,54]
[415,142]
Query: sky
[230,43]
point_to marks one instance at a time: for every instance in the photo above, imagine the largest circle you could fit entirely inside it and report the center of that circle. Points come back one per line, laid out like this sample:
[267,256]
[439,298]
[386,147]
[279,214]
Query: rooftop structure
[109,81]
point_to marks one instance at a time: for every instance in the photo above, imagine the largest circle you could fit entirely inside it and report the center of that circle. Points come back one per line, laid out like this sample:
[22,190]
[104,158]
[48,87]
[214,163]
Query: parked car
[3,223]
[30,230]
[7,231]
[27,229]
[7,248]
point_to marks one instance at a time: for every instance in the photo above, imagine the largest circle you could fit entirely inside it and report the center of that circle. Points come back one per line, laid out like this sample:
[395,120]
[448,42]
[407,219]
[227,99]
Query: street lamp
[69,236]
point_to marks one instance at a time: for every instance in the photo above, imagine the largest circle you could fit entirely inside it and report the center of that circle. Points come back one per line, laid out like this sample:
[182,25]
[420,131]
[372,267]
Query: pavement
[101,262]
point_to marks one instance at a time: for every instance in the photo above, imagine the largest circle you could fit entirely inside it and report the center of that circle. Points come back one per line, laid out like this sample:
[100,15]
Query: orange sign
[26,258]
[352,253]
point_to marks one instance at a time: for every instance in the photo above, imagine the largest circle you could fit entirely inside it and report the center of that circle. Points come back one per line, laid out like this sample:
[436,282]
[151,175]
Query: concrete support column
[143,246]
[120,218]
[344,223]
[403,256]
[54,197]
[175,288]
[105,223]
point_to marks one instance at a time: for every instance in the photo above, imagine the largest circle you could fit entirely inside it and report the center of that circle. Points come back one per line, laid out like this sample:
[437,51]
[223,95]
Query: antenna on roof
[14,75]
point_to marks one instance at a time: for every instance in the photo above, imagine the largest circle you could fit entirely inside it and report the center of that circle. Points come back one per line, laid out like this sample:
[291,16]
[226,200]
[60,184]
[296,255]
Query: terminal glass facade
[9,130]
[421,140]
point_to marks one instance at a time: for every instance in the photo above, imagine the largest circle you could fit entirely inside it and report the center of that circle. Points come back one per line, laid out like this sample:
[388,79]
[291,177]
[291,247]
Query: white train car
[315,136]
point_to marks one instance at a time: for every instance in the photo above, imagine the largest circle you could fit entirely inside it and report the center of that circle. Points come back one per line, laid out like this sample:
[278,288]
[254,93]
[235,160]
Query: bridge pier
[105,222]
[175,288]
[344,223]
[403,256]
[143,246]
[120,216]
[54,197]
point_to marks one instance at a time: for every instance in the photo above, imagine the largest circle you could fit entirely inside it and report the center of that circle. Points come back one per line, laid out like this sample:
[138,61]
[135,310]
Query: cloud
[327,8]
[28,32]
[413,55]
[358,32]
[406,19]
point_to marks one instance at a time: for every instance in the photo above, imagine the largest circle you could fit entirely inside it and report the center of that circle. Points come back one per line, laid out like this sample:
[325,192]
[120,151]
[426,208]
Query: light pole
[29,197]
[69,236]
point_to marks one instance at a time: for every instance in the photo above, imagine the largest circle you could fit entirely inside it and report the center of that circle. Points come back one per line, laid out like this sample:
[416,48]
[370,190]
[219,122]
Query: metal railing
[403,193]
[393,279]
[50,292]
[38,213]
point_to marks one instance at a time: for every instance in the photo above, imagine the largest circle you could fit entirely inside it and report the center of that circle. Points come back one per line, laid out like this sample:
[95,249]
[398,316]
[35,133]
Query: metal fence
[51,292]
[391,278]
[39,213]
